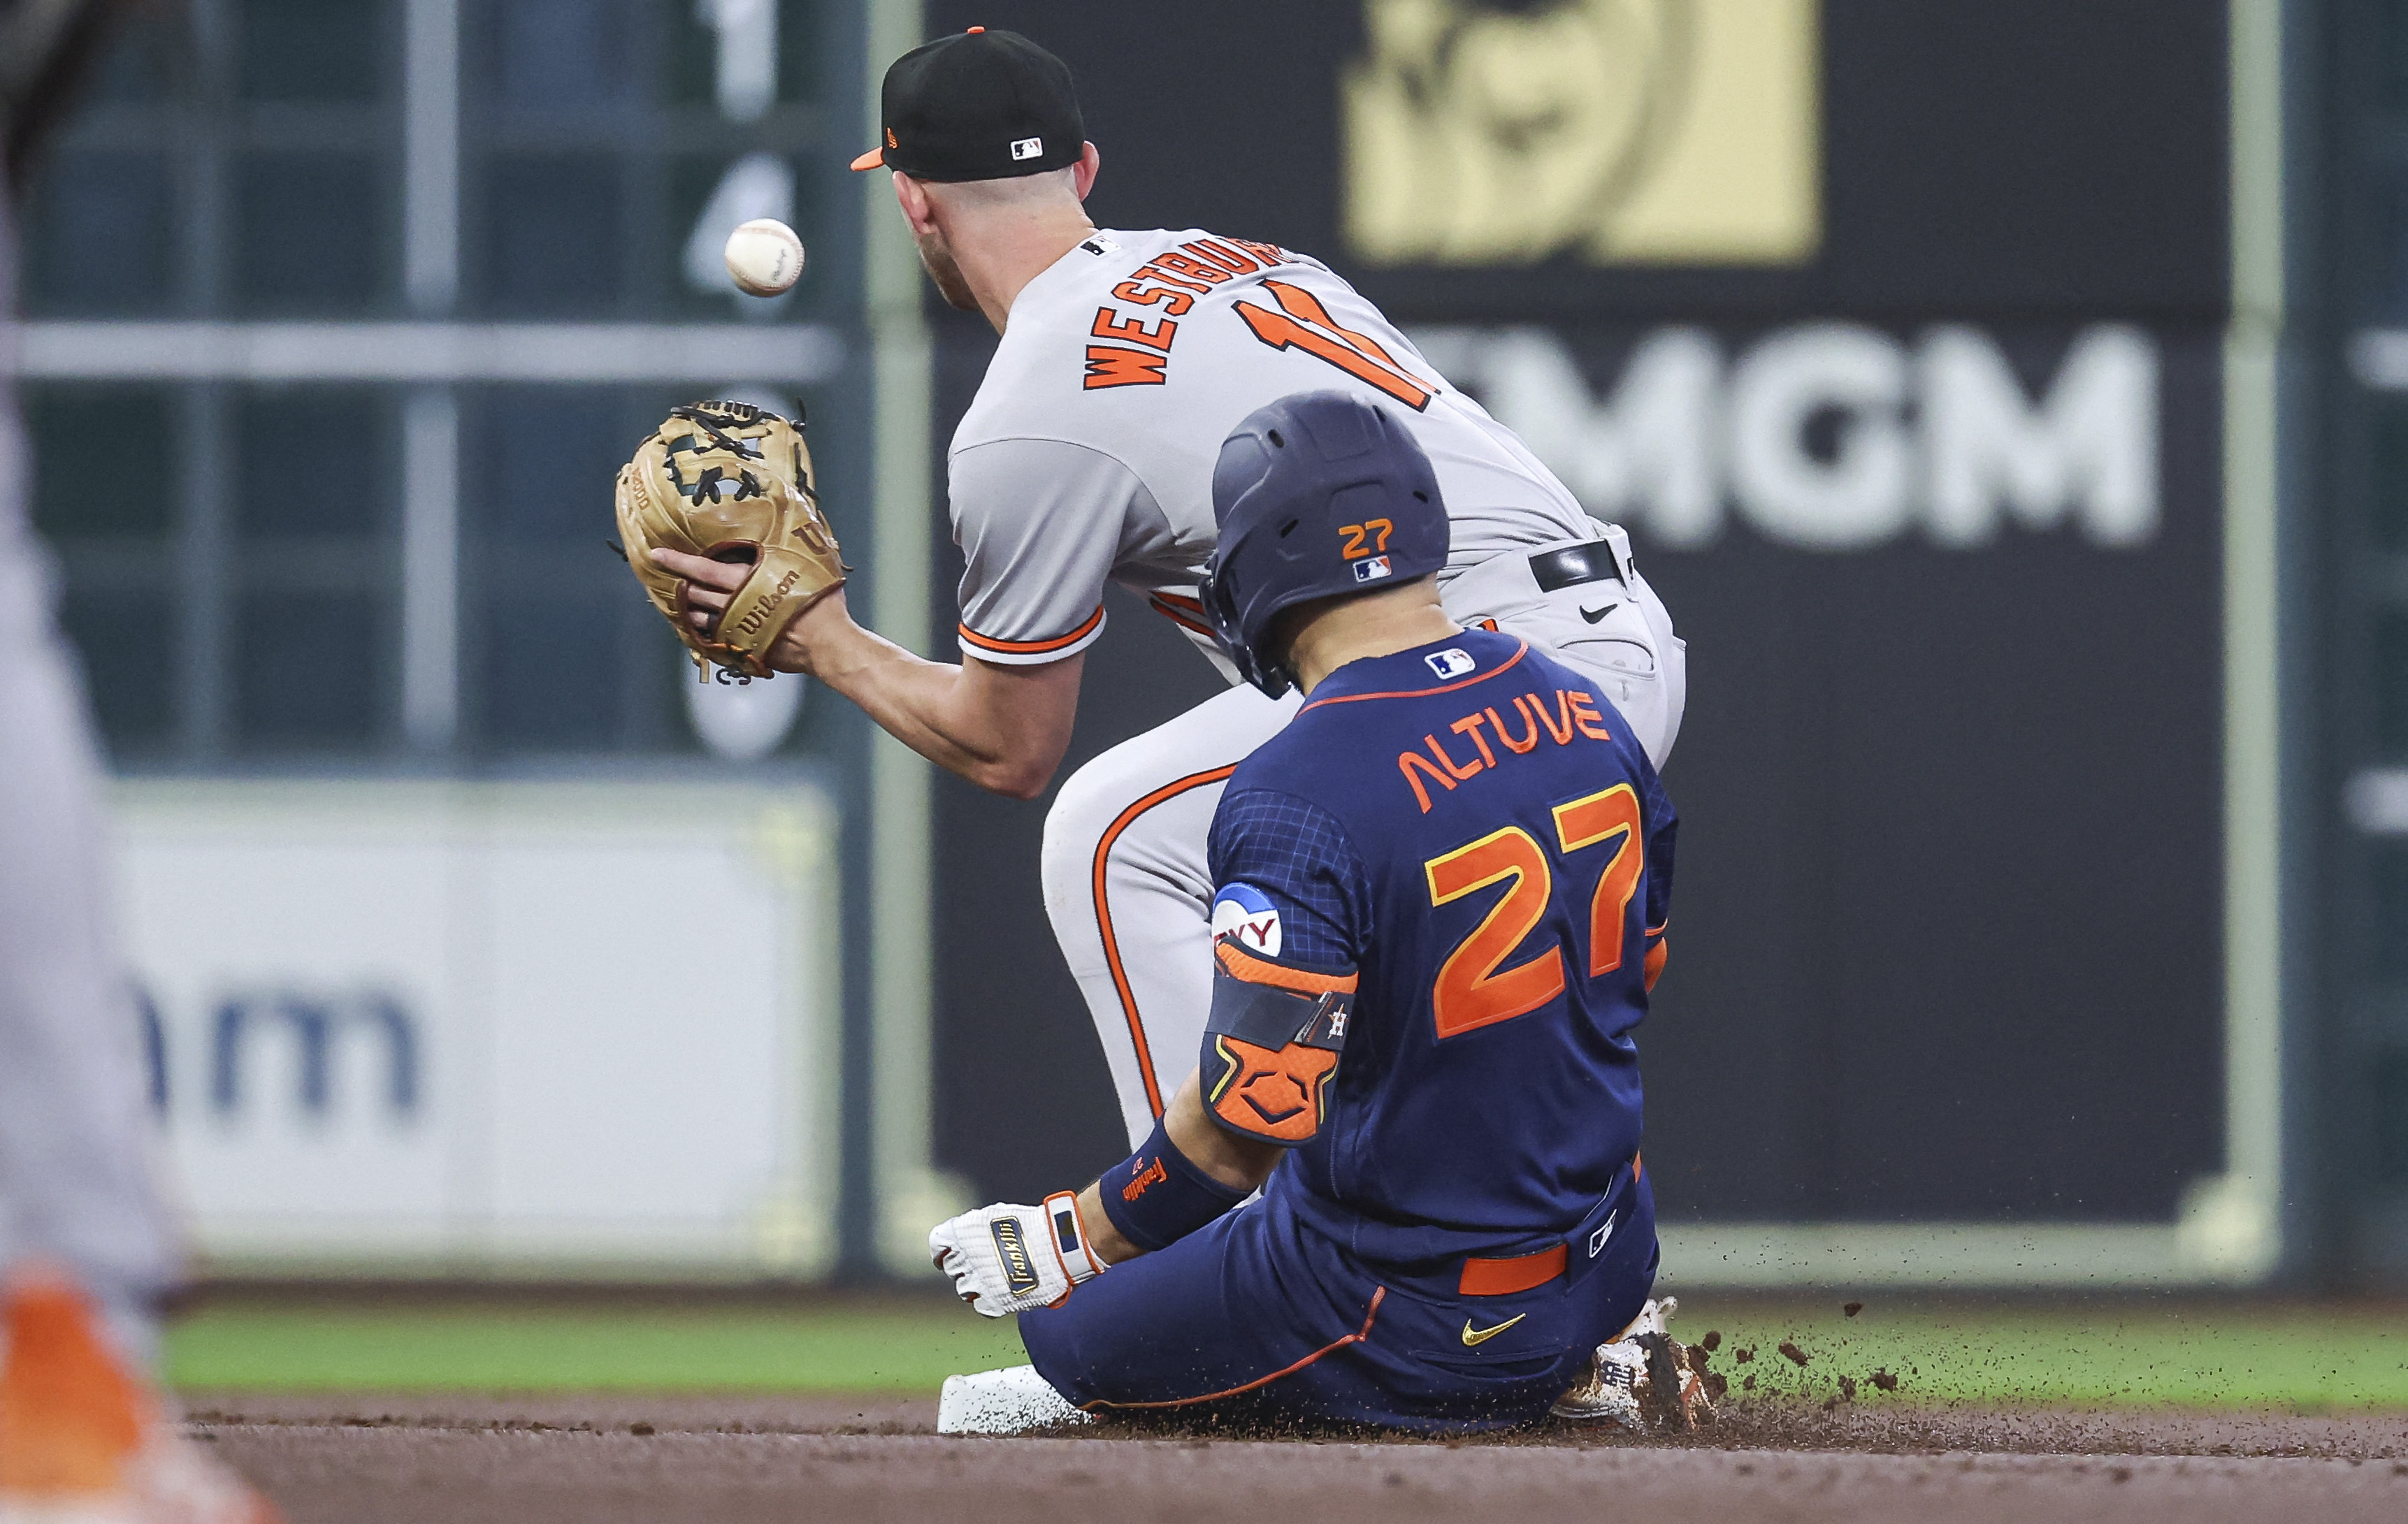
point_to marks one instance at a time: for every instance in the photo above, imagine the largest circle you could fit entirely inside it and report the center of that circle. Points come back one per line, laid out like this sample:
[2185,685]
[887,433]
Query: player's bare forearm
[1003,727]
[1238,1162]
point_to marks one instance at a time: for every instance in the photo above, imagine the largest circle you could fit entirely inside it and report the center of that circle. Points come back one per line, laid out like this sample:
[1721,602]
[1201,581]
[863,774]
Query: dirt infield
[607,1459]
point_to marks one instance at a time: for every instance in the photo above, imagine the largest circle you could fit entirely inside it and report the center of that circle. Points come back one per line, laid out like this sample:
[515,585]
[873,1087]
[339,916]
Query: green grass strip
[2121,1353]
[2115,1353]
[536,1349]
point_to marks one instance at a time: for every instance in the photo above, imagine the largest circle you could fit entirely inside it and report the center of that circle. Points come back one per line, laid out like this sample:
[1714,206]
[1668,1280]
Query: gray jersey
[1087,455]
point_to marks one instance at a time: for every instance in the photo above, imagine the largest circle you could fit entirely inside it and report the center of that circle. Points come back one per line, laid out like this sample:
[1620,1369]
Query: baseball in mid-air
[765,257]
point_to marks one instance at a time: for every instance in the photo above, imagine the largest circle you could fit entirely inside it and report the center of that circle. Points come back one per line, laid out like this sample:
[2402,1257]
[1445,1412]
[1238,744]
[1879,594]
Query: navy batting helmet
[1317,494]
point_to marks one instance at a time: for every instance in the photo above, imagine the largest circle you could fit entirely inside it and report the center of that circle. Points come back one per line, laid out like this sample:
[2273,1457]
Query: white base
[1012,1401]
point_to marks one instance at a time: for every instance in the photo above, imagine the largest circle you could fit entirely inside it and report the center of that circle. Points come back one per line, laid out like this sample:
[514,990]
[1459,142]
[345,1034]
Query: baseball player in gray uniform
[1127,358]
[86,1242]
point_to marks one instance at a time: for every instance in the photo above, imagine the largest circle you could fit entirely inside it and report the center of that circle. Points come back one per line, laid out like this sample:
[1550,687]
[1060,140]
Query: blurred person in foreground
[1425,985]
[87,1245]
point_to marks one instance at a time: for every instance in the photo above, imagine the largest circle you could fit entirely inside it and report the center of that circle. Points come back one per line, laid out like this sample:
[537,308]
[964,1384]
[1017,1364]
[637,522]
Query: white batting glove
[1007,1258]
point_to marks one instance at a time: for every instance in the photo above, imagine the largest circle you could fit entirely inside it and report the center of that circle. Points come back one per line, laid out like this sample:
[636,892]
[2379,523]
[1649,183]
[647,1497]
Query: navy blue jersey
[1442,890]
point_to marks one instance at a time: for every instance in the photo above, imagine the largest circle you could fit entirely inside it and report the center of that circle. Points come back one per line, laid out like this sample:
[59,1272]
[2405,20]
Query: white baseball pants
[77,1187]
[1124,867]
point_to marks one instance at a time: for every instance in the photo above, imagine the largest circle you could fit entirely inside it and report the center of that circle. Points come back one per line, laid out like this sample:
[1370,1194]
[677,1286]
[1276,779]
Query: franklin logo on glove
[1019,1270]
[1005,1259]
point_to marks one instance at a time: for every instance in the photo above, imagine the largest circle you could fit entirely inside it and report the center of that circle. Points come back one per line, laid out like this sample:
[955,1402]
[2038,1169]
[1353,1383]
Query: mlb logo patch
[1244,912]
[1449,663]
[1026,147]
[1371,570]
[1605,1231]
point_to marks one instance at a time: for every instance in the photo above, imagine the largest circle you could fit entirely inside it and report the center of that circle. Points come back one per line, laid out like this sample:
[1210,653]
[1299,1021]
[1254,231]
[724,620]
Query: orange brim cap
[874,159]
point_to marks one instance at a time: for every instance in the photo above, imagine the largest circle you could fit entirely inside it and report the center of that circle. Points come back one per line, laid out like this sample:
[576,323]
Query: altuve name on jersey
[1573,712]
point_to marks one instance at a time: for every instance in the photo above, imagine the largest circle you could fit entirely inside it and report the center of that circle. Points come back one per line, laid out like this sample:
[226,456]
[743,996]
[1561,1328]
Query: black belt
[1574,564]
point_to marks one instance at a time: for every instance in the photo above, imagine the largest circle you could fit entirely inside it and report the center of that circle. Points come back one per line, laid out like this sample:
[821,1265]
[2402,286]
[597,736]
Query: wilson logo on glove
[1019,1270]
[752,623]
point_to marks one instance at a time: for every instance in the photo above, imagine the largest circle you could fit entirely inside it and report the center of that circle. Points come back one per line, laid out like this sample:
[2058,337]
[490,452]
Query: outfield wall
[472,1028]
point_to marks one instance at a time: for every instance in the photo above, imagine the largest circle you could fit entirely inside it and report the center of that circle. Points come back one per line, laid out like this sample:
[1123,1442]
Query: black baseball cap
[977,106]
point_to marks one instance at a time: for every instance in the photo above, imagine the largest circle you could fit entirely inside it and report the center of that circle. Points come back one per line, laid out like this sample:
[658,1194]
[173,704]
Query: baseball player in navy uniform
[1088,457]
[1440,898]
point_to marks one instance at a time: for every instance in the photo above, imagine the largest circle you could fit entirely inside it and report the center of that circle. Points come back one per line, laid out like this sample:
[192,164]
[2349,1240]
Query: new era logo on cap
[1026,147]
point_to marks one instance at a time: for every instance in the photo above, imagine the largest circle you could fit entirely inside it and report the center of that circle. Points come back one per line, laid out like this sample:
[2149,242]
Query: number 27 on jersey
[1472,990]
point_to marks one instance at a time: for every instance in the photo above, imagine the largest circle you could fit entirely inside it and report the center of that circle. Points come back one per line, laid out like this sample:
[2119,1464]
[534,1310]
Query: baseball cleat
[1643,1379]
[84,1441]
[1012,1401]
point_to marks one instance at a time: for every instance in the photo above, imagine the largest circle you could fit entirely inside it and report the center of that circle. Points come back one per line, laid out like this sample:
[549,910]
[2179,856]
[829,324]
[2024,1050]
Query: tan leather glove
[728,481]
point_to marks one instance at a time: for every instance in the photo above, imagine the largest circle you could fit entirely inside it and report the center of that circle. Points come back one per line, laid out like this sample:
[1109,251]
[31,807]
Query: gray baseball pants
[76,1182]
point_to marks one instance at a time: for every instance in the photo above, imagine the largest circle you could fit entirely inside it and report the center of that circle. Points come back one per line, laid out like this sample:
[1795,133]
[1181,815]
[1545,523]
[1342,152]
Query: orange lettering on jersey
[1350,351]
[1173,303]
[1575,713]
[1188,264]
[1110,324]
[1474,988]
[1439,752]
[1270,254]
[1406,761]
[1529,734]
[1610,815]
[1584,714]
[1155,272]
[1221,254]
[1110,365]
[1559,725]
[1300,302]
[1469,725]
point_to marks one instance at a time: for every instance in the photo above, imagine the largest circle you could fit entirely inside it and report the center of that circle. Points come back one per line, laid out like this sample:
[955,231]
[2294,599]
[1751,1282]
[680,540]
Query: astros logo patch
[1245,912]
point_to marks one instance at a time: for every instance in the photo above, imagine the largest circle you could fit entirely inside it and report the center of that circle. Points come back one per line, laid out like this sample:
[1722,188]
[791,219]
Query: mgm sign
[1501,132]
